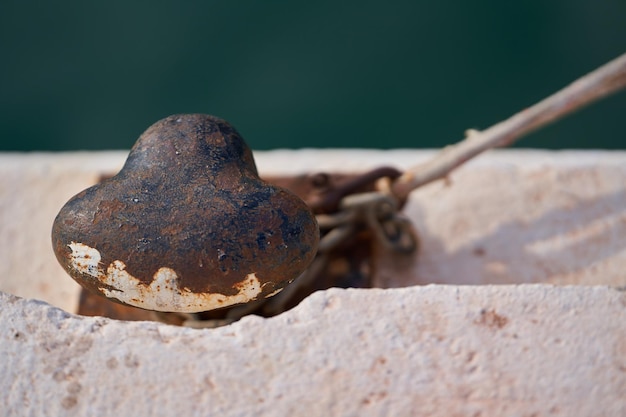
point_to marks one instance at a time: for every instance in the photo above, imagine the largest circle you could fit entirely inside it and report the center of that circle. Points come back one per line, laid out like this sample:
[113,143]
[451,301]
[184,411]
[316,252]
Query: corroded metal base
[345,262]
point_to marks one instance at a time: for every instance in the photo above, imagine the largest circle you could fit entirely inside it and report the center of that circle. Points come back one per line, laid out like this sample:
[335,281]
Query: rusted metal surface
[350,265]
[327,192]
[187,225]
[347,262]
[91,304]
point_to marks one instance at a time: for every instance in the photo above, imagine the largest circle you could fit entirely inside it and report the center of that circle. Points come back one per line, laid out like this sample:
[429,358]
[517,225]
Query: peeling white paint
[163,293]
[85,259]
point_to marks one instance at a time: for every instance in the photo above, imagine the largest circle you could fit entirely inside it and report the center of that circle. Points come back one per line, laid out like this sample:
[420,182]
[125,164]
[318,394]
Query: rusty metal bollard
[187,225]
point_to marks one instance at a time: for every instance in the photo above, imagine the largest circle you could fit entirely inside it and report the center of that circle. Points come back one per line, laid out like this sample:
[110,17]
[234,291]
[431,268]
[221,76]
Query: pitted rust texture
[189,198]
[351,265]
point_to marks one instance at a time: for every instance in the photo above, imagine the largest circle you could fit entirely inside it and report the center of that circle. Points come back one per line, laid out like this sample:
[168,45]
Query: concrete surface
[507,217]
[528,350]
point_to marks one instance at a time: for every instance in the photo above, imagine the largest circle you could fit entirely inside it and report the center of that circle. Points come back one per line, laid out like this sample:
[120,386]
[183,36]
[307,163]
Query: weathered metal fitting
[187,225]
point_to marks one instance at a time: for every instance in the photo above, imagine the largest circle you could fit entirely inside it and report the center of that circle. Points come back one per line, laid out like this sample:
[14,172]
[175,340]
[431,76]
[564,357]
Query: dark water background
[392,74]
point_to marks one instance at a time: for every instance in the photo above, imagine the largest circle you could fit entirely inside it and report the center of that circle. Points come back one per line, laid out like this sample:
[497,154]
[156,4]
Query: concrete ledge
[508,217]
[437,350]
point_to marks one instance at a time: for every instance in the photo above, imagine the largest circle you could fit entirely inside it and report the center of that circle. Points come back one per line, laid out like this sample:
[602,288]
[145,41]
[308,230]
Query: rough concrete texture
[33,187]
[529,350]
[508,216]
[530,217]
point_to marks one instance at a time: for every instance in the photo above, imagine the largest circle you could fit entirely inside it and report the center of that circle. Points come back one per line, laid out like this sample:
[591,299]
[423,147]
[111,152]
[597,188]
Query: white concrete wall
[442,350]
[529,350]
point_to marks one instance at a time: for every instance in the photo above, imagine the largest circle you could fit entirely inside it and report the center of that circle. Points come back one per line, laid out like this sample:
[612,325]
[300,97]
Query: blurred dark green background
[94,75]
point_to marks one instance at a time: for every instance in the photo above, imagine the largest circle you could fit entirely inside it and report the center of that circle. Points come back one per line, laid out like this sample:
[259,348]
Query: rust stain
[491,319]
[69,402]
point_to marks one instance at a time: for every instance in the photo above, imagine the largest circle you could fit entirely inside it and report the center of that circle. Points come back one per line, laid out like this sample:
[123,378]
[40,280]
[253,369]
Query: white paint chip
[163,293]
[273,293]
[85,259]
